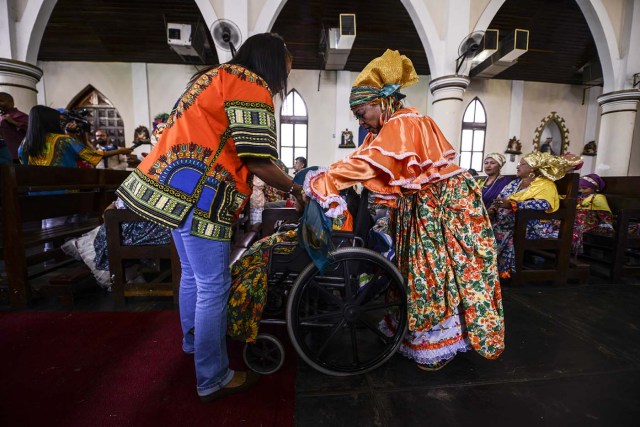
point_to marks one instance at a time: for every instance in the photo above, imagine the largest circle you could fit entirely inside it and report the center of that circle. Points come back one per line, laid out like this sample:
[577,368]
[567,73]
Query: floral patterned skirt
[445,249]
[588,220]
[248,293]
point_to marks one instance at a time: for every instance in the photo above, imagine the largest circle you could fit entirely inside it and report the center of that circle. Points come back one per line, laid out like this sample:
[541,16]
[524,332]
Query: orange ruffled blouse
[409,153]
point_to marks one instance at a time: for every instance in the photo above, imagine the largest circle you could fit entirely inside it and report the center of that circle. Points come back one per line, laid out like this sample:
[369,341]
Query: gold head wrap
[383,77]
[553,167]
[498,158]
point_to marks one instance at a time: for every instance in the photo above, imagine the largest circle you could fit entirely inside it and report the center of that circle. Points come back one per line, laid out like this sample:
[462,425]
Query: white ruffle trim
[451,327]
[327,201]
[412,183]
[432,356]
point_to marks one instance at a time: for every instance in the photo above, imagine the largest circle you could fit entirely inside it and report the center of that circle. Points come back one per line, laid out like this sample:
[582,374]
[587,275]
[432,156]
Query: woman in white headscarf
[494,182]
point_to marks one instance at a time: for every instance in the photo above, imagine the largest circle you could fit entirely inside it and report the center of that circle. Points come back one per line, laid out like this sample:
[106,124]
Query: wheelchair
[334,319]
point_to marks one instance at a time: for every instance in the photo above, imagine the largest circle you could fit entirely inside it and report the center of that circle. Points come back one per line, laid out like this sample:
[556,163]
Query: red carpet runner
[120,369]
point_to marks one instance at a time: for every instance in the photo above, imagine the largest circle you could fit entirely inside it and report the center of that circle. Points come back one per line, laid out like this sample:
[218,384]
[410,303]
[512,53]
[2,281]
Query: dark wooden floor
[572,358]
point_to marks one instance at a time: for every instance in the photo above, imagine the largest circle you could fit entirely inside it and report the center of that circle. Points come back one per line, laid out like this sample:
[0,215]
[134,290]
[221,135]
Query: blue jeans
[204,291]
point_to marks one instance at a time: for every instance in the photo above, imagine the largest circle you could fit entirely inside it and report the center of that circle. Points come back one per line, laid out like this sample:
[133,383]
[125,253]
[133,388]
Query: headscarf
[592,180]
[550,166]
[497,157]
[382,78]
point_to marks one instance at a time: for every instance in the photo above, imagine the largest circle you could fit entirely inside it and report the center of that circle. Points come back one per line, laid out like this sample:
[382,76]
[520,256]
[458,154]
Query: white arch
[268,16]
[605,38]
[208,13]
[210,16]
[30,29]
[488,14]
[431,42]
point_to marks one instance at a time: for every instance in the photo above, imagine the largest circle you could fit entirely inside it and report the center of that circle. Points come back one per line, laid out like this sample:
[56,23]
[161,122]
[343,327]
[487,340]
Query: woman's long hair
[266,55]
[42,120]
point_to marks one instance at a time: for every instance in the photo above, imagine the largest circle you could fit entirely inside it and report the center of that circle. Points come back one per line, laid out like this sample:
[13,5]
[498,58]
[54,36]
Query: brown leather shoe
[251,380]
[431,367]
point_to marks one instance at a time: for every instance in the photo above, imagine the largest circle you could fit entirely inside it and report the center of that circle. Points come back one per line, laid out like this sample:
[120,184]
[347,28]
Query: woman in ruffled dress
[442,236]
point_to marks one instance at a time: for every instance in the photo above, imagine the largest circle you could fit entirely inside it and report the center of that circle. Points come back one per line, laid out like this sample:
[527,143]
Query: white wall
[64,80]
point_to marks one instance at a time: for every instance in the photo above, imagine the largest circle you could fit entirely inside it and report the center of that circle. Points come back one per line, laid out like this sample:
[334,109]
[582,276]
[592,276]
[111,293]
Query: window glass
[470,113]
[478,140]
[301,135]
[480,117]
[299,109]
[467,135]
[472,140]
[465,159]
[286,134]
[286,155]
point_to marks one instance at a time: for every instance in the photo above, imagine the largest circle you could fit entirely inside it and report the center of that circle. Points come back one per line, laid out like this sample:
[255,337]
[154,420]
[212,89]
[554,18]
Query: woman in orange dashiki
[443,239]
[195,181]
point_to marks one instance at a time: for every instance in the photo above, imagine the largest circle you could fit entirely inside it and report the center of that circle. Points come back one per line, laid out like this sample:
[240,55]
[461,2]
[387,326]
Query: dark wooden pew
[165,283]
[167,280]
[619,250]
[549,259]
[30,194]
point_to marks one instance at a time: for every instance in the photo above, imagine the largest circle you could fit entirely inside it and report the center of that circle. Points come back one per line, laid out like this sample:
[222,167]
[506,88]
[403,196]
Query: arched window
[294,125]
[100,113]
[474,127]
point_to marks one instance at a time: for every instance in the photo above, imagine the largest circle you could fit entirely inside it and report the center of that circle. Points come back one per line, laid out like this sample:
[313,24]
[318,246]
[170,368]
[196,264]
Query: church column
[615,138]
[19,79]
[446,105]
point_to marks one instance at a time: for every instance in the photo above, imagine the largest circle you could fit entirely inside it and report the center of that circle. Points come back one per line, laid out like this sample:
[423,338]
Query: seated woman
[248,293]
[46,144]
[592,211]
[263,195]
[493,183]
[534,188]
[91,247]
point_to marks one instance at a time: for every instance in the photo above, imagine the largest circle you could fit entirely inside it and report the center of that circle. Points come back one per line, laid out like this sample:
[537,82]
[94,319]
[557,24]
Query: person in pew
[592,211]
[263,195]
[533,188]
[249,274]
[443,241]
[195,182]
[493,183]
[13,128]
[91,248]
[46,144]
[142,145]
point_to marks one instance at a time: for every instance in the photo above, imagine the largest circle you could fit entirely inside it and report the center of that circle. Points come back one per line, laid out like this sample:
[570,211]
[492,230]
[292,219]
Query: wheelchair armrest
[338,237]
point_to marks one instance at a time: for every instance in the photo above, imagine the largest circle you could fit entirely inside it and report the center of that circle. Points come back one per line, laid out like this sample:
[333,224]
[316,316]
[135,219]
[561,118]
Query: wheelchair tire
[265,356]
[334,319]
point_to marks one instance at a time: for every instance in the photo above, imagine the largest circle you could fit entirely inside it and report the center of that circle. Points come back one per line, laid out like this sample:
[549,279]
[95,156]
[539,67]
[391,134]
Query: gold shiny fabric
[553,167]
[390,68]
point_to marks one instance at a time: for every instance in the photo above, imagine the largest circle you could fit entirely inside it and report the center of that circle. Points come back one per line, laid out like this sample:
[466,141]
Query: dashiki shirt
[61,150]
[443,240]
[491,191]
[224,116]
[541,194]
[592,212]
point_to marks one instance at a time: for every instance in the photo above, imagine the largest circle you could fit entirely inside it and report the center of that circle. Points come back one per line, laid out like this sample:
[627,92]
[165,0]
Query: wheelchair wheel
[335,319]
[265,356]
